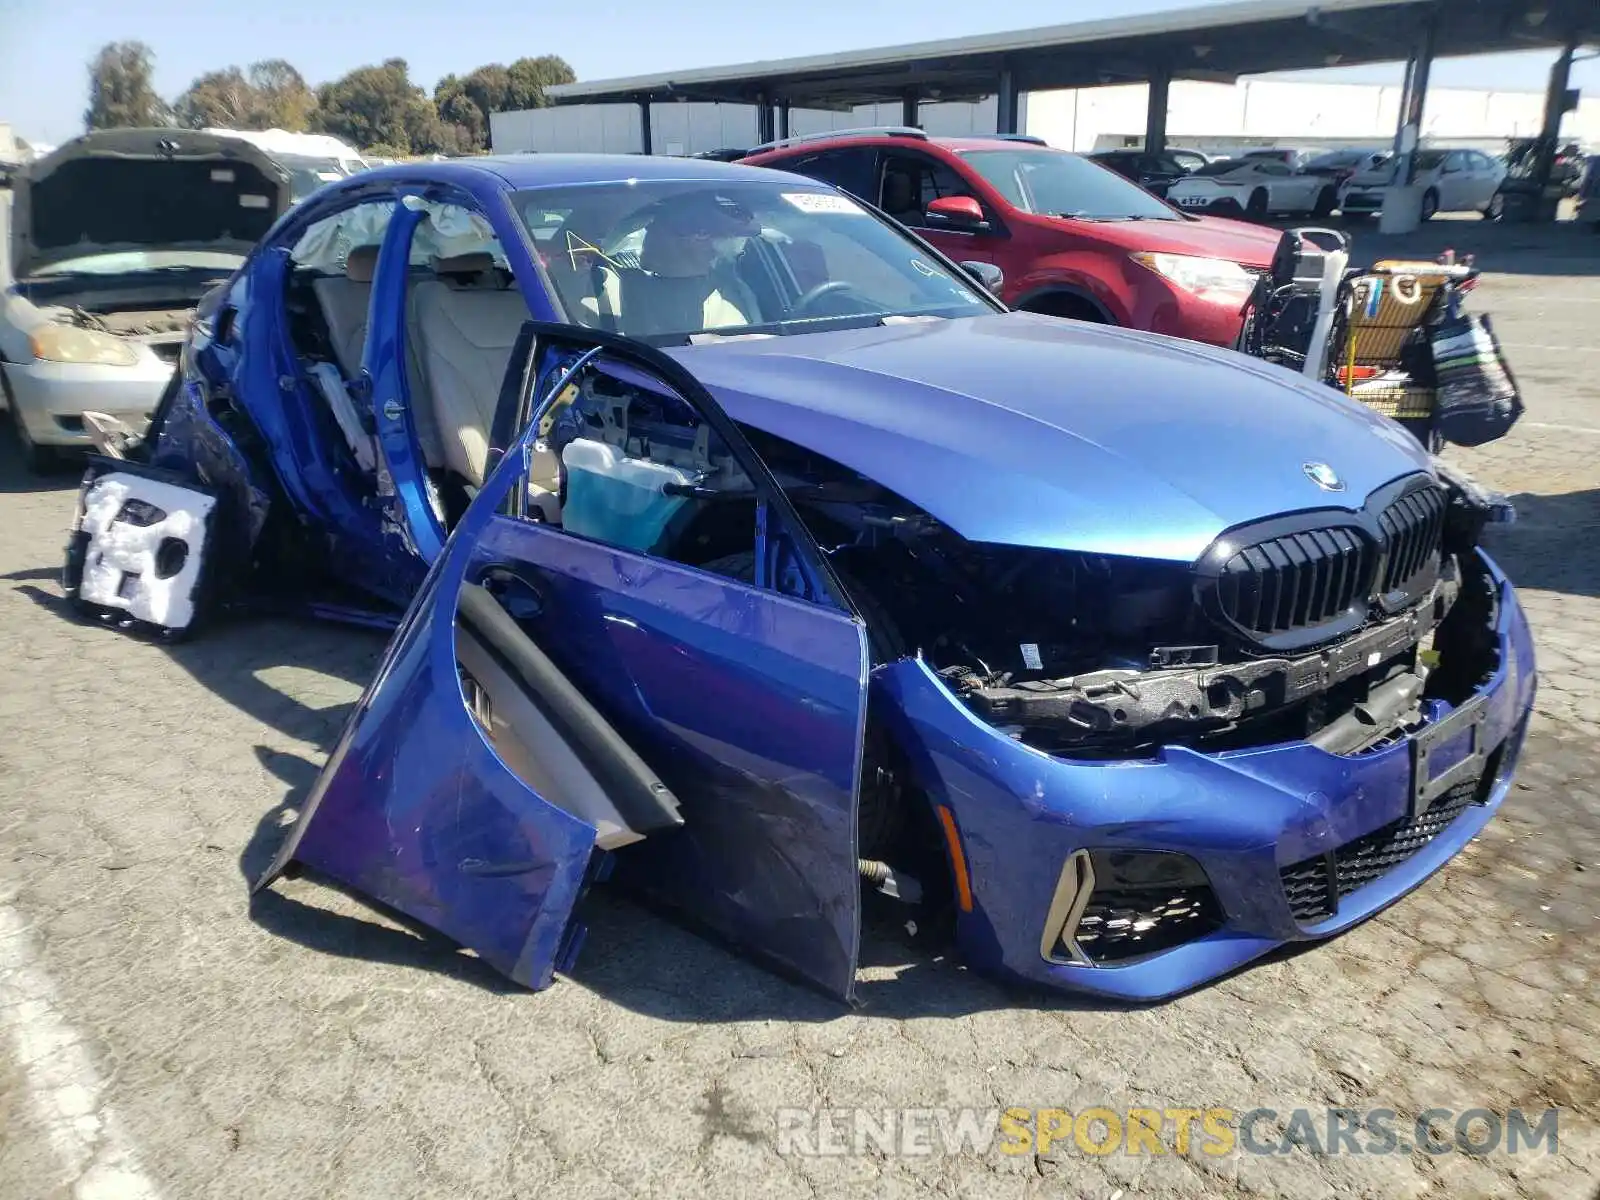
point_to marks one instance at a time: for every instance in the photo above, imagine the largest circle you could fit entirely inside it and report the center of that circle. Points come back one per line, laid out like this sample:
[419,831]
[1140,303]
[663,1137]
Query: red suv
[1072,238]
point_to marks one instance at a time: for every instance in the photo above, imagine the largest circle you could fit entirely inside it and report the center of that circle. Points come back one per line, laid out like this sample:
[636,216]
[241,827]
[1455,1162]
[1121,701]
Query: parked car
[1155,173]
[784,564]
[1257,187]
[1295,158]
[1340,165]
[1452,181]
[1071,238]
[114,238]
[1589,194]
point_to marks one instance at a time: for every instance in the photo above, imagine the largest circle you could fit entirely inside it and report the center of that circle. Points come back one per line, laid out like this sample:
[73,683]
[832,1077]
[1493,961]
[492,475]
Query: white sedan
[109,244]
[1452,181]
[1258,187]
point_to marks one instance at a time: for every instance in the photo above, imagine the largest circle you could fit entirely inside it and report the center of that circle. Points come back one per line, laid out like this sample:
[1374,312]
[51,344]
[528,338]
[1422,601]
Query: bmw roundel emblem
[1324,476]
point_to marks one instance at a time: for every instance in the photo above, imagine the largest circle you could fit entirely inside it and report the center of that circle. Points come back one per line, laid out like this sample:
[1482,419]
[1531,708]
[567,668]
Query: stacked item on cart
[1393,336]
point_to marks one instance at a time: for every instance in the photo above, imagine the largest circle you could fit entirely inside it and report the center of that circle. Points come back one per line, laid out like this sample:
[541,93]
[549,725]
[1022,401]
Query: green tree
[121,93]
[224,99]
[530,76]
[463,121]
[465,104]
[283,98]
[271,95]
[374,104]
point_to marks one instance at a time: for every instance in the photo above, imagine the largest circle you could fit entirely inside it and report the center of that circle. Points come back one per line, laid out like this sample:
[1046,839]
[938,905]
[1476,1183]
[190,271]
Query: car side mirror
[957,212]
[989,276]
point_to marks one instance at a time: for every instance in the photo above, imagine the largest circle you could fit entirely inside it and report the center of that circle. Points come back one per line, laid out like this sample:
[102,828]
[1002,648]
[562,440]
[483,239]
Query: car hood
[1035,431]
[123,190]
[1206,237]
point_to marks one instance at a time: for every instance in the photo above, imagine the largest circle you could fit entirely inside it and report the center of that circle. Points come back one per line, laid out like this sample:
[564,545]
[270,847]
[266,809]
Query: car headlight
[1217,278]
[69,344]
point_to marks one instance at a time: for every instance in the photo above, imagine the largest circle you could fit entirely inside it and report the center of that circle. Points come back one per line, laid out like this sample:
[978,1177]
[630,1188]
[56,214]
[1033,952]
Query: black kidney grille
[1296,581]
[1412,527]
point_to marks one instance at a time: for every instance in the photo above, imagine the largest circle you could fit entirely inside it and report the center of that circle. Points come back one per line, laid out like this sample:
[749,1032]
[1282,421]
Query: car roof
[979,141]
[553,170]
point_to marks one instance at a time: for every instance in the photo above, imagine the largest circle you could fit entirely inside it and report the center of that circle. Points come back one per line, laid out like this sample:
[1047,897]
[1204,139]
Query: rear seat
[345,301]
[465,324]
[461,326]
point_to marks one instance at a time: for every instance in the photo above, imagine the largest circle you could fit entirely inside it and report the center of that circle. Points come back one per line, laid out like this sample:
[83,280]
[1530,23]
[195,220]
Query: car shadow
[400,942]
[1550,545]
[235,660]
[17,479]
[636,956]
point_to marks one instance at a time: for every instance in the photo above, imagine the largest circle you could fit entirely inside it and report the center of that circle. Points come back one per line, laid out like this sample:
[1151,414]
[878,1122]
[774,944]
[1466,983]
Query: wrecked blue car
[746,552]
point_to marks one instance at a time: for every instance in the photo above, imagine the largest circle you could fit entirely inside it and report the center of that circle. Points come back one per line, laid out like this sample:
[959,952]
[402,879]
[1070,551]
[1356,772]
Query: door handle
[521,597]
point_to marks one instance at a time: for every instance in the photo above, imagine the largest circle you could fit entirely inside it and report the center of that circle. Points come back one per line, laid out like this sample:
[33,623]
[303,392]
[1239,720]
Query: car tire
[1327,201]
[1256,207]
[1430,204]
[1495,210]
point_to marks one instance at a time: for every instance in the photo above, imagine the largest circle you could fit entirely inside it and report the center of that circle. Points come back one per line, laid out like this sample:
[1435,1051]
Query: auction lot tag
[823,202]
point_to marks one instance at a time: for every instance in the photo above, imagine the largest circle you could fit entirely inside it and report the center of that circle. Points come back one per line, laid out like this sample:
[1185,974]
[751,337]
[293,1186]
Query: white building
[1217,116]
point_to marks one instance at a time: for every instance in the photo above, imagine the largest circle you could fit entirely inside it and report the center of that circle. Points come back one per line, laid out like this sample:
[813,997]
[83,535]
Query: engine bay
[1097,656]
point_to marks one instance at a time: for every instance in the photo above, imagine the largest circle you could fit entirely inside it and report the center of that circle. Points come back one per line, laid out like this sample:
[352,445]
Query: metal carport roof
[1217,42]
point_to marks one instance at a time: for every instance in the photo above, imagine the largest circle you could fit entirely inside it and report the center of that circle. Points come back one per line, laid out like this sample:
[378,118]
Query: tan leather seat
[345,300]
[465,323]
[346,304]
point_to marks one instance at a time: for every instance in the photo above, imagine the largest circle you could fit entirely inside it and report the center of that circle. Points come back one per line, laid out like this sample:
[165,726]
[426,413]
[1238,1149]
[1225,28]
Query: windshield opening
[308,173]
[1057,184]
[669,260]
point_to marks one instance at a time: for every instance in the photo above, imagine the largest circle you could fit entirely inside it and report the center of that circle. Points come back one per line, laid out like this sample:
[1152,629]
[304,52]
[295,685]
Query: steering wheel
[832,287]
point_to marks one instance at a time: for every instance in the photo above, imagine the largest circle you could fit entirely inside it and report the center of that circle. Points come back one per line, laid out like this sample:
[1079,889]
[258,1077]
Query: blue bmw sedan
[743,550]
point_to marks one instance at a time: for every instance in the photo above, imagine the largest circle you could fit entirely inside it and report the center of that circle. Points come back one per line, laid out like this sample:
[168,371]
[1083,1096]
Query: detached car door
[565,700]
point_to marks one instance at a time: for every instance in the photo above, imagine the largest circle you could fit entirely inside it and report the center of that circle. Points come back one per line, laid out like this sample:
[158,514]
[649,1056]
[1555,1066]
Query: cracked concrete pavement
[172,1038]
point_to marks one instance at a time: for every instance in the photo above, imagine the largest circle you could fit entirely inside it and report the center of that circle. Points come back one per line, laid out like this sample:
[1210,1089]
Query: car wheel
[1256,207]
[1064,304]
[1327,201]
[1496,208]
[1430,204]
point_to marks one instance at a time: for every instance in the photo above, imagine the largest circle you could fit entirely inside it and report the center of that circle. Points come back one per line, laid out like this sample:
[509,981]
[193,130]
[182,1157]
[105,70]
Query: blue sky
[44,44]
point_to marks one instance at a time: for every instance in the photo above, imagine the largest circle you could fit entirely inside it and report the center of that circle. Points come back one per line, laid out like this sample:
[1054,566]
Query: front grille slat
[1294,582]
[1412,529]
[1300,580]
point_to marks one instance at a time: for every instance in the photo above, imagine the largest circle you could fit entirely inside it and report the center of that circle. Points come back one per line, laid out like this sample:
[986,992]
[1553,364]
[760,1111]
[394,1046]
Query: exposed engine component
[1131,708]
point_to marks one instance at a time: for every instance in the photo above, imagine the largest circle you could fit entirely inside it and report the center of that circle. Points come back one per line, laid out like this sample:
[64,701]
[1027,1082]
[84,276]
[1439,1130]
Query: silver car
[113,239]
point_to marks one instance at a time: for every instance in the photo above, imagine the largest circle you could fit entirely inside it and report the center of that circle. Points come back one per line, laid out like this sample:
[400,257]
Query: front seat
[654,303]
[900,198]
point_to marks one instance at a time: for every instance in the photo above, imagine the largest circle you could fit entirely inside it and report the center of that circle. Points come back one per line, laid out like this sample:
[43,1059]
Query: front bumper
[1250,820]
[50,398]
[1218,204]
